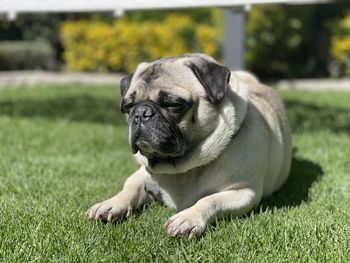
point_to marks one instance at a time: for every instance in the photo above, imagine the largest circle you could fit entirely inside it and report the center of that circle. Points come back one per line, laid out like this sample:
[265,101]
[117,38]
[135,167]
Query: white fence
[234,15]
[59,6]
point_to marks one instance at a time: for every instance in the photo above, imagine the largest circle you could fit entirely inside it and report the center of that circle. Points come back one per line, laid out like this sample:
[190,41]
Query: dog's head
[172,104]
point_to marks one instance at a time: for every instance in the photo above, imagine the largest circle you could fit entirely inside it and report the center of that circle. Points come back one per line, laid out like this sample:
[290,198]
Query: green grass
[64,148]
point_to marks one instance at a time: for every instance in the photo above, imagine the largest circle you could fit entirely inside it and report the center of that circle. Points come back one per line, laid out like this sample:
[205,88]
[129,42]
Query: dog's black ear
[125,84]
[213,77]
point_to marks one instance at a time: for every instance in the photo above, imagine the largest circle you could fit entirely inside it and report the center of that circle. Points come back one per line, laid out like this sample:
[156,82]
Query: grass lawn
[64,148]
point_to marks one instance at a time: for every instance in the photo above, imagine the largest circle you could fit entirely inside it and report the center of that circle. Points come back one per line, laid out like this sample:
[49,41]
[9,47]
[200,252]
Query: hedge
[341,43]
[281,40]
[15,55]
[121,45]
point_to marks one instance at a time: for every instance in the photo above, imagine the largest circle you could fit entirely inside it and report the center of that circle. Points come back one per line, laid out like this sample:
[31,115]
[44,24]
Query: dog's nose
[143,113]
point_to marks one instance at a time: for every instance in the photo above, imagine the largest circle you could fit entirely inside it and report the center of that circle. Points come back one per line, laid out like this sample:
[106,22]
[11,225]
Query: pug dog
[209,142]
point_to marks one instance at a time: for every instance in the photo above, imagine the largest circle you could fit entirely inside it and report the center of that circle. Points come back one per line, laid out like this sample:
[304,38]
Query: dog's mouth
[157,157]
[151,145]
[154,155]
[154,160]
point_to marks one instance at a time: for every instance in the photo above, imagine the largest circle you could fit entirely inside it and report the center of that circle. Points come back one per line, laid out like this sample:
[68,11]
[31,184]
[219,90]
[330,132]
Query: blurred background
[298,41]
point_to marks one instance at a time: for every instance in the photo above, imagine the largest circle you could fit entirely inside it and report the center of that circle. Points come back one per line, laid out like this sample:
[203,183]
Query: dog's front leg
[130,198]
[193,220]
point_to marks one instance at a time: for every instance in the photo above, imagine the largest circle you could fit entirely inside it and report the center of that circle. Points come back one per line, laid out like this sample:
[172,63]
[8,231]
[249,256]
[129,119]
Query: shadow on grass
[293,192]
[306,116]
[296,189]
[83,108]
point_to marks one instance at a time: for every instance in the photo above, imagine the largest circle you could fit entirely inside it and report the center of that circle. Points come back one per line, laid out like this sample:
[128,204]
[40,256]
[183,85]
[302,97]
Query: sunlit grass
[64,148]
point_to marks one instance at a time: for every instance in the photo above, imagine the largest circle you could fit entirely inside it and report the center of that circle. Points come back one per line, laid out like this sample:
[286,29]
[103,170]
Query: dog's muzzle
[152,134]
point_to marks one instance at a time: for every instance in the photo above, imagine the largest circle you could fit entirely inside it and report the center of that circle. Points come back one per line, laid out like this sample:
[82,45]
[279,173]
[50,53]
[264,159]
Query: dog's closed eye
[174,103]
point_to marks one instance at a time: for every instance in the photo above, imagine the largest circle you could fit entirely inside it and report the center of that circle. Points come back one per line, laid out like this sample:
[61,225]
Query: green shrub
[16,55]
[341,44]
[291,41]
[276,37]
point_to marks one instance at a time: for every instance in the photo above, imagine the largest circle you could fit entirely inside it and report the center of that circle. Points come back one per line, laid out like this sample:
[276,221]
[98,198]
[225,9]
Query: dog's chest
[180,191]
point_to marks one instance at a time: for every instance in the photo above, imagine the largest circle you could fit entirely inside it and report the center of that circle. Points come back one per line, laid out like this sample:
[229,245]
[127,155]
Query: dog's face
[172,104]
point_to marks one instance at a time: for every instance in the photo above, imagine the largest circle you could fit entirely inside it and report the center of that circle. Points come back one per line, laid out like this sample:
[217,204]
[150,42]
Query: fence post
[234,35]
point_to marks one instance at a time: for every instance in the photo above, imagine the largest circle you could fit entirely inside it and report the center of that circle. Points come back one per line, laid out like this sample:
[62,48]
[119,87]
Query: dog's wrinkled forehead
[167,74]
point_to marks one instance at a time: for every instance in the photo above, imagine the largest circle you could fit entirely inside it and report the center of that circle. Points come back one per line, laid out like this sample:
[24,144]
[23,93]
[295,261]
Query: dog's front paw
[186,223]
[109,210]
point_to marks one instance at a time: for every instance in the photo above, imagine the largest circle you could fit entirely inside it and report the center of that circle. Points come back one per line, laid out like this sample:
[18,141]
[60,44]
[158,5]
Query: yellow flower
[120,46]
